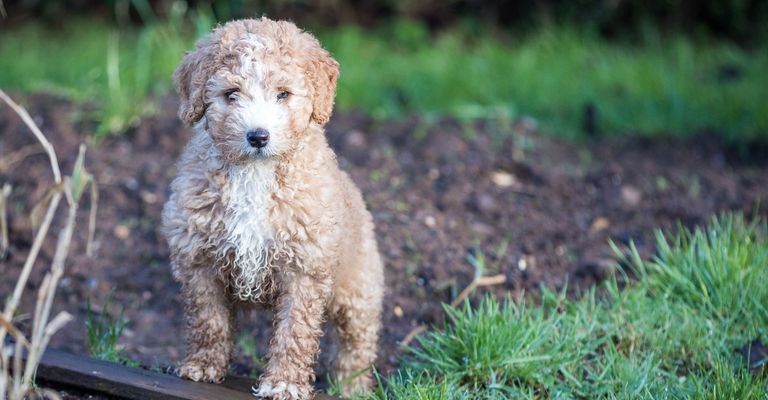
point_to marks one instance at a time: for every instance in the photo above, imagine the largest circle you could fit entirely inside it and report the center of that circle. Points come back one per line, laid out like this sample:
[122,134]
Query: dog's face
[256,86]
[257,106]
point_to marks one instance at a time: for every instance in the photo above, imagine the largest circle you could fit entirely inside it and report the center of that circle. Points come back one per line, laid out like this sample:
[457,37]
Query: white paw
[197,372]
[191,371]
[280,391]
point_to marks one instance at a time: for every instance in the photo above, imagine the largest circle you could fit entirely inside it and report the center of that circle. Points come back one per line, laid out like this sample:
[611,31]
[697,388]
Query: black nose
[258,138]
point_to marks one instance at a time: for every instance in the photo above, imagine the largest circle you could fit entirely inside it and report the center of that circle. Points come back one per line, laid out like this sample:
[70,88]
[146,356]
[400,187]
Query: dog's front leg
[296,338]
[209,325]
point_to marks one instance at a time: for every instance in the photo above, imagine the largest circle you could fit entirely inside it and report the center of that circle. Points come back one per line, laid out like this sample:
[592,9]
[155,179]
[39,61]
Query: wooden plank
[134,383]
[131,383]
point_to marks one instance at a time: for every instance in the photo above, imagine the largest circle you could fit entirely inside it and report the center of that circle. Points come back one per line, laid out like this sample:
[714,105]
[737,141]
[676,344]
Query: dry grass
[16,373]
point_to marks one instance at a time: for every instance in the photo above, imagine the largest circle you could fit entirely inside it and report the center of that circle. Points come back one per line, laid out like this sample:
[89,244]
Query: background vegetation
[740,20]
[581,69]
[659,77]
[680,331]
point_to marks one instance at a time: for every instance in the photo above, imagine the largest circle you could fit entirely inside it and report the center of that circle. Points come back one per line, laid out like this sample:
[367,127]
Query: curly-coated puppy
[260,212]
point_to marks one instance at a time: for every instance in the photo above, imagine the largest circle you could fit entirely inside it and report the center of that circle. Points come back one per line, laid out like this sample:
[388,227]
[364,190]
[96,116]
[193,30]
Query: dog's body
[260,212]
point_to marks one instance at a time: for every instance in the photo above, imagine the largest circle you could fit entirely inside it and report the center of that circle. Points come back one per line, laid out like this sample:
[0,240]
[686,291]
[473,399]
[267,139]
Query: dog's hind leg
[209,325]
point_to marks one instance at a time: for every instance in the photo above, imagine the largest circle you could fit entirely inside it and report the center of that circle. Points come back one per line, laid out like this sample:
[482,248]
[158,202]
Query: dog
[260,213]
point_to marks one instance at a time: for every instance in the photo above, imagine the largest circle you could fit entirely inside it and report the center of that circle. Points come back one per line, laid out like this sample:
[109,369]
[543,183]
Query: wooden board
[134,383]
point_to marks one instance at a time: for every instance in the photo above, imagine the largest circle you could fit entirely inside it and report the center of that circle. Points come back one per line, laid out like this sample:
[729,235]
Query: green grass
[103,332]
[120,72]
[665,86]
[668,86]
[673,333]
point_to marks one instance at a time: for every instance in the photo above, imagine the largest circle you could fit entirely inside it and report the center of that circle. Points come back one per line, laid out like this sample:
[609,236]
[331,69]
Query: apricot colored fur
[280,226]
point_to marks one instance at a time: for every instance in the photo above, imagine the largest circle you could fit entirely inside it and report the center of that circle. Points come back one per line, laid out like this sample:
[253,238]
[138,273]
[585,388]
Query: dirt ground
[540,210]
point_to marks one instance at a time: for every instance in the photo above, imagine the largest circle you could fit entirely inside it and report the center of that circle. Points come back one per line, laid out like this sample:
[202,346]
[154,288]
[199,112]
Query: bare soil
[539,209]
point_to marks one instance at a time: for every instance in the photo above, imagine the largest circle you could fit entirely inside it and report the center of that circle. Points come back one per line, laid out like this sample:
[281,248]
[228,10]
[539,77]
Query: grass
[673,333]
[668,86]
[103,332]
[120,72]
[665,86]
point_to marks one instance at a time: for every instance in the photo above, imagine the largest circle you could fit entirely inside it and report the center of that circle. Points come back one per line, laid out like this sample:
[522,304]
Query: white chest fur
[249,232]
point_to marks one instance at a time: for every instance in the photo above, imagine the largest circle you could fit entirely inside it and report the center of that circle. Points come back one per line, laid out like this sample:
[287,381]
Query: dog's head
[256,86]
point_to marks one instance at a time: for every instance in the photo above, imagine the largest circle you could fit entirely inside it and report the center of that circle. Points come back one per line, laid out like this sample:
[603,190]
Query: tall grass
[118,71]
[19,360]
[674,333]
[670,85]
[103,332]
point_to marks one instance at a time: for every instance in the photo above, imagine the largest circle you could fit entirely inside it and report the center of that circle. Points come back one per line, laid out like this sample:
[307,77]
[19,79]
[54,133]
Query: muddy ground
[540,209]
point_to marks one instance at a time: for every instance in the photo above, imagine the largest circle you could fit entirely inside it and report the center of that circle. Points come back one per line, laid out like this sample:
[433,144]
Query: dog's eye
[231,95]
[283,95]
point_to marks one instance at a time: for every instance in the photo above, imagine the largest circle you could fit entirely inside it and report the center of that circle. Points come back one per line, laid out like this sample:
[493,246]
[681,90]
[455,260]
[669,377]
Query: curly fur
[280,226]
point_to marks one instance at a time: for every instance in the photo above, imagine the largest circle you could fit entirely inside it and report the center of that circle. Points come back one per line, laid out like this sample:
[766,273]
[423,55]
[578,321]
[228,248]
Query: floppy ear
[190,78]
[322,72]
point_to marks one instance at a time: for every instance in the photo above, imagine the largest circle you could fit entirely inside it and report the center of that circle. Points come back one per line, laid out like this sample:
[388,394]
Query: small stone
[148,197]
[503,178]
[433,173]
[525,262]
[560,250]
[132,184]
[630,195]
[91,283]
[355,139]
[121,232]
[430,221]
[398,311]
[599,224]
[482,229]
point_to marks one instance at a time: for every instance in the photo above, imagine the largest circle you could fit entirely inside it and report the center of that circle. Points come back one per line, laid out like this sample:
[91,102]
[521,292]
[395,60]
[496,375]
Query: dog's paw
[358,386]
[201,372]
[282,391]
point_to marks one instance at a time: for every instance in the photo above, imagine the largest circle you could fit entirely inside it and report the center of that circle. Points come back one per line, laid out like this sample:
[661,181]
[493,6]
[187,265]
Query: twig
[36,131]
[4,193]
[18,336]
[479,281]
[476,283]
[42,330]
[412,334]
[92,217]
[13,302]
